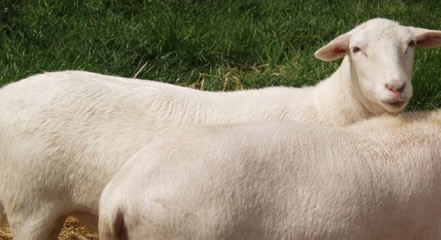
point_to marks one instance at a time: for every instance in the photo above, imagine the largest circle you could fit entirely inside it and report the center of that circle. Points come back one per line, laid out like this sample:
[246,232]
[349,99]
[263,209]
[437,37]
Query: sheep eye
[412,44]
[355,49]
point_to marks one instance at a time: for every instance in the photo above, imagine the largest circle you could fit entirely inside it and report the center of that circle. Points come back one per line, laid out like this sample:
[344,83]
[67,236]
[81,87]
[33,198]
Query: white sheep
[377,179]
[63,135]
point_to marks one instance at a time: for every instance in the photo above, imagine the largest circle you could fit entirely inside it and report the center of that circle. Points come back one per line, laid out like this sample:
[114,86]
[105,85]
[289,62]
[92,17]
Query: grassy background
[213,45]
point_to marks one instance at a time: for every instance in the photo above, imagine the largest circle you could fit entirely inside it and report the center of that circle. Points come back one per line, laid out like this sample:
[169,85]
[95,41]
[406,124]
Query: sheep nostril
[396,89]
[401,89]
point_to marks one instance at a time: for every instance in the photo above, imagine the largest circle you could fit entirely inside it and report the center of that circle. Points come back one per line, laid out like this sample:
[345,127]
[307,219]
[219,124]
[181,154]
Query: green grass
[214,45]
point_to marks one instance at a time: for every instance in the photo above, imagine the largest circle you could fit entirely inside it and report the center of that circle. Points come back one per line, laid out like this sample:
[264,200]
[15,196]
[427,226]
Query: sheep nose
[396,87]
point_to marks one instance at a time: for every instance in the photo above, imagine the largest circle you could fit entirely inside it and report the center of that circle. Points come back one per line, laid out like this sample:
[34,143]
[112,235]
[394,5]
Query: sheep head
[381,56]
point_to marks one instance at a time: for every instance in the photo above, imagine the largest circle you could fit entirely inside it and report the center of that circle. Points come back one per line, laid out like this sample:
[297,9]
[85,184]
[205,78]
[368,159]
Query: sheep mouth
[395,103]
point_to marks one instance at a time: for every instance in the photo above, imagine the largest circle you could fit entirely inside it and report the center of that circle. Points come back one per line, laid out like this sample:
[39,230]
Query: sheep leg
[43,223]
[3,220]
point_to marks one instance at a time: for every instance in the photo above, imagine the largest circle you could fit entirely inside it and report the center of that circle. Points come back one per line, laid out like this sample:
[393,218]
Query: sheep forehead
[379,32]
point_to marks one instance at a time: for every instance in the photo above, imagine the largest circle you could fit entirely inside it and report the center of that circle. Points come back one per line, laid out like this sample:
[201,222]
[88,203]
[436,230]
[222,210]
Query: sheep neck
[338,98]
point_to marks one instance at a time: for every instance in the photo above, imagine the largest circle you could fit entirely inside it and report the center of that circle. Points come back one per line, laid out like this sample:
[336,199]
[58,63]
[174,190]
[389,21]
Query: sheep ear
[335,49]
[426,38]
